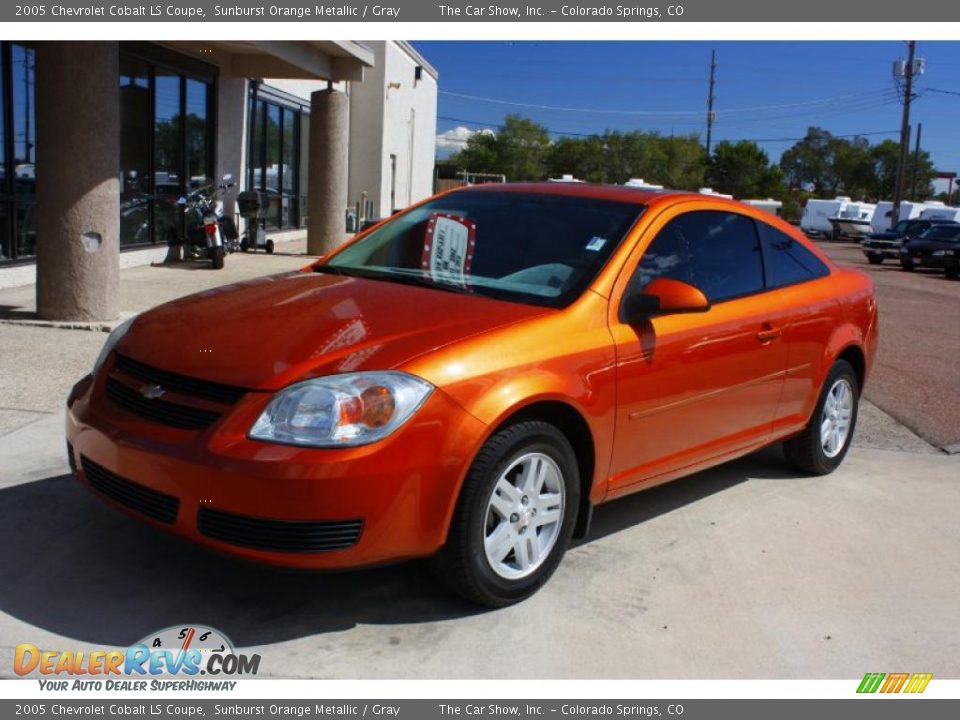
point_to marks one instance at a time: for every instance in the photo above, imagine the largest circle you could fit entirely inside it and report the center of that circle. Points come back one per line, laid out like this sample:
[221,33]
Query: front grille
[141,499]
[174,382]
[186,417]
[295,536]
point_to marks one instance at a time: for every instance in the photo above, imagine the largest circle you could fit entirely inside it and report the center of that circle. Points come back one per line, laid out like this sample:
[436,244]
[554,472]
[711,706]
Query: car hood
[266,333]
[883,236]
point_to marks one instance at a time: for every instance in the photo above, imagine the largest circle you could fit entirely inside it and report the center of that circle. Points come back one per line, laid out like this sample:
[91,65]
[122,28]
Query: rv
[640,184]
[882,217]
[714,193]
[939,211]
[774,207]
[817,213]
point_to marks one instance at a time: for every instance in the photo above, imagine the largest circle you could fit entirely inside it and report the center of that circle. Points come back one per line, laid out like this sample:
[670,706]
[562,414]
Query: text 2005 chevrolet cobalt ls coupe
[468,379]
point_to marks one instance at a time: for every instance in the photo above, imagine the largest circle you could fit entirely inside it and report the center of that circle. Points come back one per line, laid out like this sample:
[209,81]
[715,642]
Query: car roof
[622,193]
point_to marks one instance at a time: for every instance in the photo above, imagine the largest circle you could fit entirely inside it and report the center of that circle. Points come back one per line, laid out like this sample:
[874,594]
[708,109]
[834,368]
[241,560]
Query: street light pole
[904,135]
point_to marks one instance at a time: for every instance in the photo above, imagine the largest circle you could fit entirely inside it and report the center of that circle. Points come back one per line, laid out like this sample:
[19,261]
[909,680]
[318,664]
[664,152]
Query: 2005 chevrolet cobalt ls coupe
[468,379]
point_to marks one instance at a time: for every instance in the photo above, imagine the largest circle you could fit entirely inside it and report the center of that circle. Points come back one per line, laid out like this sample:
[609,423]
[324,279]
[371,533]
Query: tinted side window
[666,257]
[717,251]
[787,261]
[725,259]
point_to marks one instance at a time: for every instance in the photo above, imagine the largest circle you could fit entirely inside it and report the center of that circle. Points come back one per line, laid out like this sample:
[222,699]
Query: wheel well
[854,355]
[571,423]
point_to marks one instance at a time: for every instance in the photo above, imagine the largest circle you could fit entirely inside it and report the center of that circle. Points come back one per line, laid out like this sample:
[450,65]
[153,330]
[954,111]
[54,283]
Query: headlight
[939,253]
[341,410]
[116,336]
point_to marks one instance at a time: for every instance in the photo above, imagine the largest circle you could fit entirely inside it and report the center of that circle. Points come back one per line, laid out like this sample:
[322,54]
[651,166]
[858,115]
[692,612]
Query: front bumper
[930,261]
[279,504]
[885,248]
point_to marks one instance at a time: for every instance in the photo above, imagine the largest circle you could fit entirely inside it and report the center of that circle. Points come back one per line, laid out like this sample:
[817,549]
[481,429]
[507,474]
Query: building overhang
[333,60]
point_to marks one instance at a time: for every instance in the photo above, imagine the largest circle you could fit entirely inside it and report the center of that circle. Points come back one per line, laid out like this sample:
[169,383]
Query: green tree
[811,161]
[518,150]
[743,169]
[885,156]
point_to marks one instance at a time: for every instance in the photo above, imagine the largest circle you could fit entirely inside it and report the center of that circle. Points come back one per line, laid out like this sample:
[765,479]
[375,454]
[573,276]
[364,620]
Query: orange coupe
[468,379]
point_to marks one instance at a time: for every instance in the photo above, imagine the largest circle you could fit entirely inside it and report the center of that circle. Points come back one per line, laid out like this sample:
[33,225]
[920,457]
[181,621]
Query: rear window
[943,232]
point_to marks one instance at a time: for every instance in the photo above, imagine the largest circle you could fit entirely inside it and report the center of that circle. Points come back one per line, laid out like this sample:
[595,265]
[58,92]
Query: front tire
[514,518]
[823,444]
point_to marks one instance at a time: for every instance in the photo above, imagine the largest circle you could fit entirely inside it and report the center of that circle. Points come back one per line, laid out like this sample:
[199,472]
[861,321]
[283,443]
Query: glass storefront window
[166,150]
[136,185]
[274,162]
[18,152]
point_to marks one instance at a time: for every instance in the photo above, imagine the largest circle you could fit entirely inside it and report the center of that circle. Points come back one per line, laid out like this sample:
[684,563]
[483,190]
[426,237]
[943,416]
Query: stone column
[78,188]
[327,184]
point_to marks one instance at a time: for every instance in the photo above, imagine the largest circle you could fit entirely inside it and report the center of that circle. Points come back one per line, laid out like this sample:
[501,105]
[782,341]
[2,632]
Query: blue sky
[766,91]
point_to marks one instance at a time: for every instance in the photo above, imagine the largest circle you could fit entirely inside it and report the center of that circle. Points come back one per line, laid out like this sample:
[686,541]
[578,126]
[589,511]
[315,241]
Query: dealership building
[98,140]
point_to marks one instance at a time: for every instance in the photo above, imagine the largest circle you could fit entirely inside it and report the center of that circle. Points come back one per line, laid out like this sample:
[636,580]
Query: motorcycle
[210,235]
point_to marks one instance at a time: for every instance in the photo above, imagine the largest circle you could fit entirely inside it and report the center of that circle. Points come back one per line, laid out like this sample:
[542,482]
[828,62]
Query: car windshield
[948,233]
[537,248]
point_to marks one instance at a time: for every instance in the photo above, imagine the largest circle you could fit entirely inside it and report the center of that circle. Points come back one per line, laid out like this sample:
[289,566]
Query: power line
[942,92]
[663,113]
[590,135]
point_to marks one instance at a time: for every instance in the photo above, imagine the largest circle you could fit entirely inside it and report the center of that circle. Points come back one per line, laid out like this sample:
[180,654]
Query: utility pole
[904,134]
[710,114]
[916,163]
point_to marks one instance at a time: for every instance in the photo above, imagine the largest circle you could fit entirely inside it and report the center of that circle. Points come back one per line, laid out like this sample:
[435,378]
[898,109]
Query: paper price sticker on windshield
[448,248]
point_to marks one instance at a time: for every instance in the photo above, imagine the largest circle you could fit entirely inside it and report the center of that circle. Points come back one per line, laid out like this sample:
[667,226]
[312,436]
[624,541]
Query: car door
[811,314]
[693,387]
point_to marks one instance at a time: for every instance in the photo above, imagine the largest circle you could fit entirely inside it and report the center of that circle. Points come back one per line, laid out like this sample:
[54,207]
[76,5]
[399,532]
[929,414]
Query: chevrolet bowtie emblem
[152,392]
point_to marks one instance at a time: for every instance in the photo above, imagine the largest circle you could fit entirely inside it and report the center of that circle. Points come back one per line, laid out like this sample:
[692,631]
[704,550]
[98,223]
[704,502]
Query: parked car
[468,379]
[886,245]
[938,247]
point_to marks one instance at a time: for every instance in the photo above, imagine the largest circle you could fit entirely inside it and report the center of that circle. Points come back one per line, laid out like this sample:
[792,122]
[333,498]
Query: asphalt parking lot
[917,375]
[746,570]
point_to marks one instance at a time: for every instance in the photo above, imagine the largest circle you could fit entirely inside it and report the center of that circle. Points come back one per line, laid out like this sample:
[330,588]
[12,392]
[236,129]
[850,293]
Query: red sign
[448,248]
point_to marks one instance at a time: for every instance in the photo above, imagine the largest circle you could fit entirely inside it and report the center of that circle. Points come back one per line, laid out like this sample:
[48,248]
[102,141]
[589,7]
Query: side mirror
[663,296]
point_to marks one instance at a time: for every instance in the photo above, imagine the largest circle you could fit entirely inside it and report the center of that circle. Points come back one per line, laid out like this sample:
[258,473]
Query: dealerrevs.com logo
[185,651]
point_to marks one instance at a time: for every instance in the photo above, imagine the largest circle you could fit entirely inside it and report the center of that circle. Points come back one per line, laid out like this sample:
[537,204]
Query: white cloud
[455,139]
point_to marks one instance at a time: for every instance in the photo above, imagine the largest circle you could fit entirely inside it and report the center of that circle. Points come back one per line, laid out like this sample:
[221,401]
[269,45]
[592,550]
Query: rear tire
[514,517]
[874,259]
[952,272]
[907,265]
[269,247]
[824,442]
[216,256]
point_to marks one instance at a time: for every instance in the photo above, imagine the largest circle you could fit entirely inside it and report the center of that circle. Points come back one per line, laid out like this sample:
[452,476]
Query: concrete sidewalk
[746,570]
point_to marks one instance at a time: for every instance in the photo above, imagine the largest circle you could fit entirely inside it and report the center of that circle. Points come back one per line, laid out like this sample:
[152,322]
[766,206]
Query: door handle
[768,333]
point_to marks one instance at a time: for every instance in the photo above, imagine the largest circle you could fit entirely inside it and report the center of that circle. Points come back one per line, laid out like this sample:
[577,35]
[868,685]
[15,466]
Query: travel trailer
[882,220]
[774,207]
[817,213]
[714,193]
[641,184]
[939,211]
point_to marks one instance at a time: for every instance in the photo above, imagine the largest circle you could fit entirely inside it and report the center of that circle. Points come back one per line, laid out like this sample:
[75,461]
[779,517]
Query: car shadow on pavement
[74,567]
